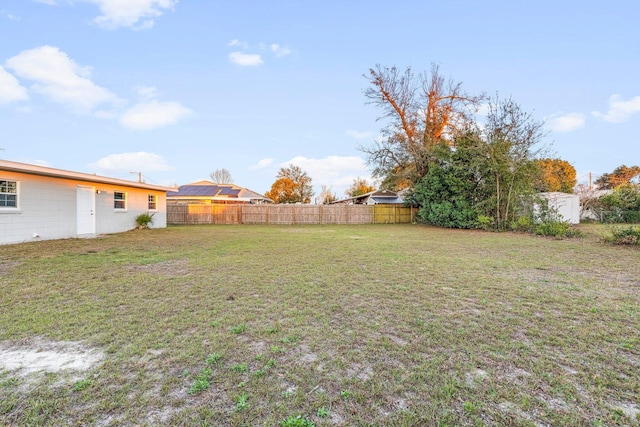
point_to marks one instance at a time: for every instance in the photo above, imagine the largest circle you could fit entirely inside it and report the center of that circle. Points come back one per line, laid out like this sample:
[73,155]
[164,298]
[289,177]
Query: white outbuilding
[566,205]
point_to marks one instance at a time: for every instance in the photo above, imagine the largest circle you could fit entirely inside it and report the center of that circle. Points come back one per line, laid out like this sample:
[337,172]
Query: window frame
[15,194]
[152,199]
[123,200]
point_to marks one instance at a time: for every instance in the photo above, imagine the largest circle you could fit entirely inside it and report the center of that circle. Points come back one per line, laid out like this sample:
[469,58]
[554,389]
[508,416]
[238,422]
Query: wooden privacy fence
[288,214]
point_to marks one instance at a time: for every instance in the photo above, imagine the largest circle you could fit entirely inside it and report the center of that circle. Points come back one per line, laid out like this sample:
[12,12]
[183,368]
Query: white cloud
[136,14]
[560,122]
[236,42]
[59,77]
[335,171]
[10,88]
[146,92]
[360,135]
[127,162]
[280,51]
[619,110]
[49,2]
[263,163]
[245,59]
[9,15]
[153,115]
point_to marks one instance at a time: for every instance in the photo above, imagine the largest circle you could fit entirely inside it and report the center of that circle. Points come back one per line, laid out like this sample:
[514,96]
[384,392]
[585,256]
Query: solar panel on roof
[234,192]
[197,190]
[201,190]
[224,191]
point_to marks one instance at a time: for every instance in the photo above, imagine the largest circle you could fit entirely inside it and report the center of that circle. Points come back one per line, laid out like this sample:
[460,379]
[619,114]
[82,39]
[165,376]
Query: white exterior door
[86,206]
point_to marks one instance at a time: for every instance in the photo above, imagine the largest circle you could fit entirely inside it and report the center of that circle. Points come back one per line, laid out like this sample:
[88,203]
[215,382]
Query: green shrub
[202,381]
[624,236]
[446,197]
[523,224]
[143,220]
[213,358]
[485,222]
[622,204]
[298,421]
[81,385]
[546,221]
[558,229]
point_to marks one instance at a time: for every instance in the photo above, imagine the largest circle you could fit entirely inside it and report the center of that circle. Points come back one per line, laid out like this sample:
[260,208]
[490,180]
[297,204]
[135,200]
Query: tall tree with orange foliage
[555,175]
[293,185]
[621,175]
[359,186]
[423,110]
[282,191]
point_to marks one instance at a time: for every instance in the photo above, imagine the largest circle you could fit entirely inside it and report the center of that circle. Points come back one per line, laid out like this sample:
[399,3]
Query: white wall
[48,209]
[110,220]
[567,206]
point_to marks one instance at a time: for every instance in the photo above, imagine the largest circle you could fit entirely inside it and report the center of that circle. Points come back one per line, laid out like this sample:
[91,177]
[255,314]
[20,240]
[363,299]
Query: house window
[8,194]
[119,200]
[153,202]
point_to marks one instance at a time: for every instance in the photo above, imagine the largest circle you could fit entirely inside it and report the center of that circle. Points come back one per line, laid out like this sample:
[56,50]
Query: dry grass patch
[341,325]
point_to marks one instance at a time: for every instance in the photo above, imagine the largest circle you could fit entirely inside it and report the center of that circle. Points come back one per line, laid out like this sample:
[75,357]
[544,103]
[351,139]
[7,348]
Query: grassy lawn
[398,325]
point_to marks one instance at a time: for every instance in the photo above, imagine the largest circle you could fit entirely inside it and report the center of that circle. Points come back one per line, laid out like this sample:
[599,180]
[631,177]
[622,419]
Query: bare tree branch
[423,111]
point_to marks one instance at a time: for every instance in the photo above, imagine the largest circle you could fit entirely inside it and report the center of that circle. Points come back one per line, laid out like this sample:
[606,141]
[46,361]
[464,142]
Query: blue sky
[176,89]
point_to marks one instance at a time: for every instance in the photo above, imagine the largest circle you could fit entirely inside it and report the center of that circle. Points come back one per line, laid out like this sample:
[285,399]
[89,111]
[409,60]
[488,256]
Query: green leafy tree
[511,137]
[555,175]
[621,175]
[449,195]
[358,187]
[483,180]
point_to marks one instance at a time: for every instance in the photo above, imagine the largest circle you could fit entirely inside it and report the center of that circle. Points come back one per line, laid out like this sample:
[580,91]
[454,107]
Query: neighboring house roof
[78,176]
[207,190]
[374,197]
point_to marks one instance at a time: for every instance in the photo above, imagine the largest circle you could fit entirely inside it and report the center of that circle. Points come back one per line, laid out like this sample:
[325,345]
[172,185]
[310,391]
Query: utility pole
[139,175]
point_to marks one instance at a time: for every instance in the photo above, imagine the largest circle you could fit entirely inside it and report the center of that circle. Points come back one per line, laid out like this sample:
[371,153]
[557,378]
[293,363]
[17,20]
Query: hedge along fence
[288,214]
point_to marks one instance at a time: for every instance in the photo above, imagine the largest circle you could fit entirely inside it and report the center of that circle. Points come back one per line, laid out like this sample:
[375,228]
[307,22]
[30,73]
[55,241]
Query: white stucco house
[41,203]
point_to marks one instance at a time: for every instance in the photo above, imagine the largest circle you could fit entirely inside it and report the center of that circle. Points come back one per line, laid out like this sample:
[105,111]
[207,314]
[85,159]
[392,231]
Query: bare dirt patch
[6,266]
[363,372]
[629,409]
[40,355]
[474,377]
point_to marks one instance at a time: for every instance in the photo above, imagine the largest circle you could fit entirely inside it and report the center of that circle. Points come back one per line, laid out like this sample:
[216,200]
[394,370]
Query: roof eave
[79,176]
